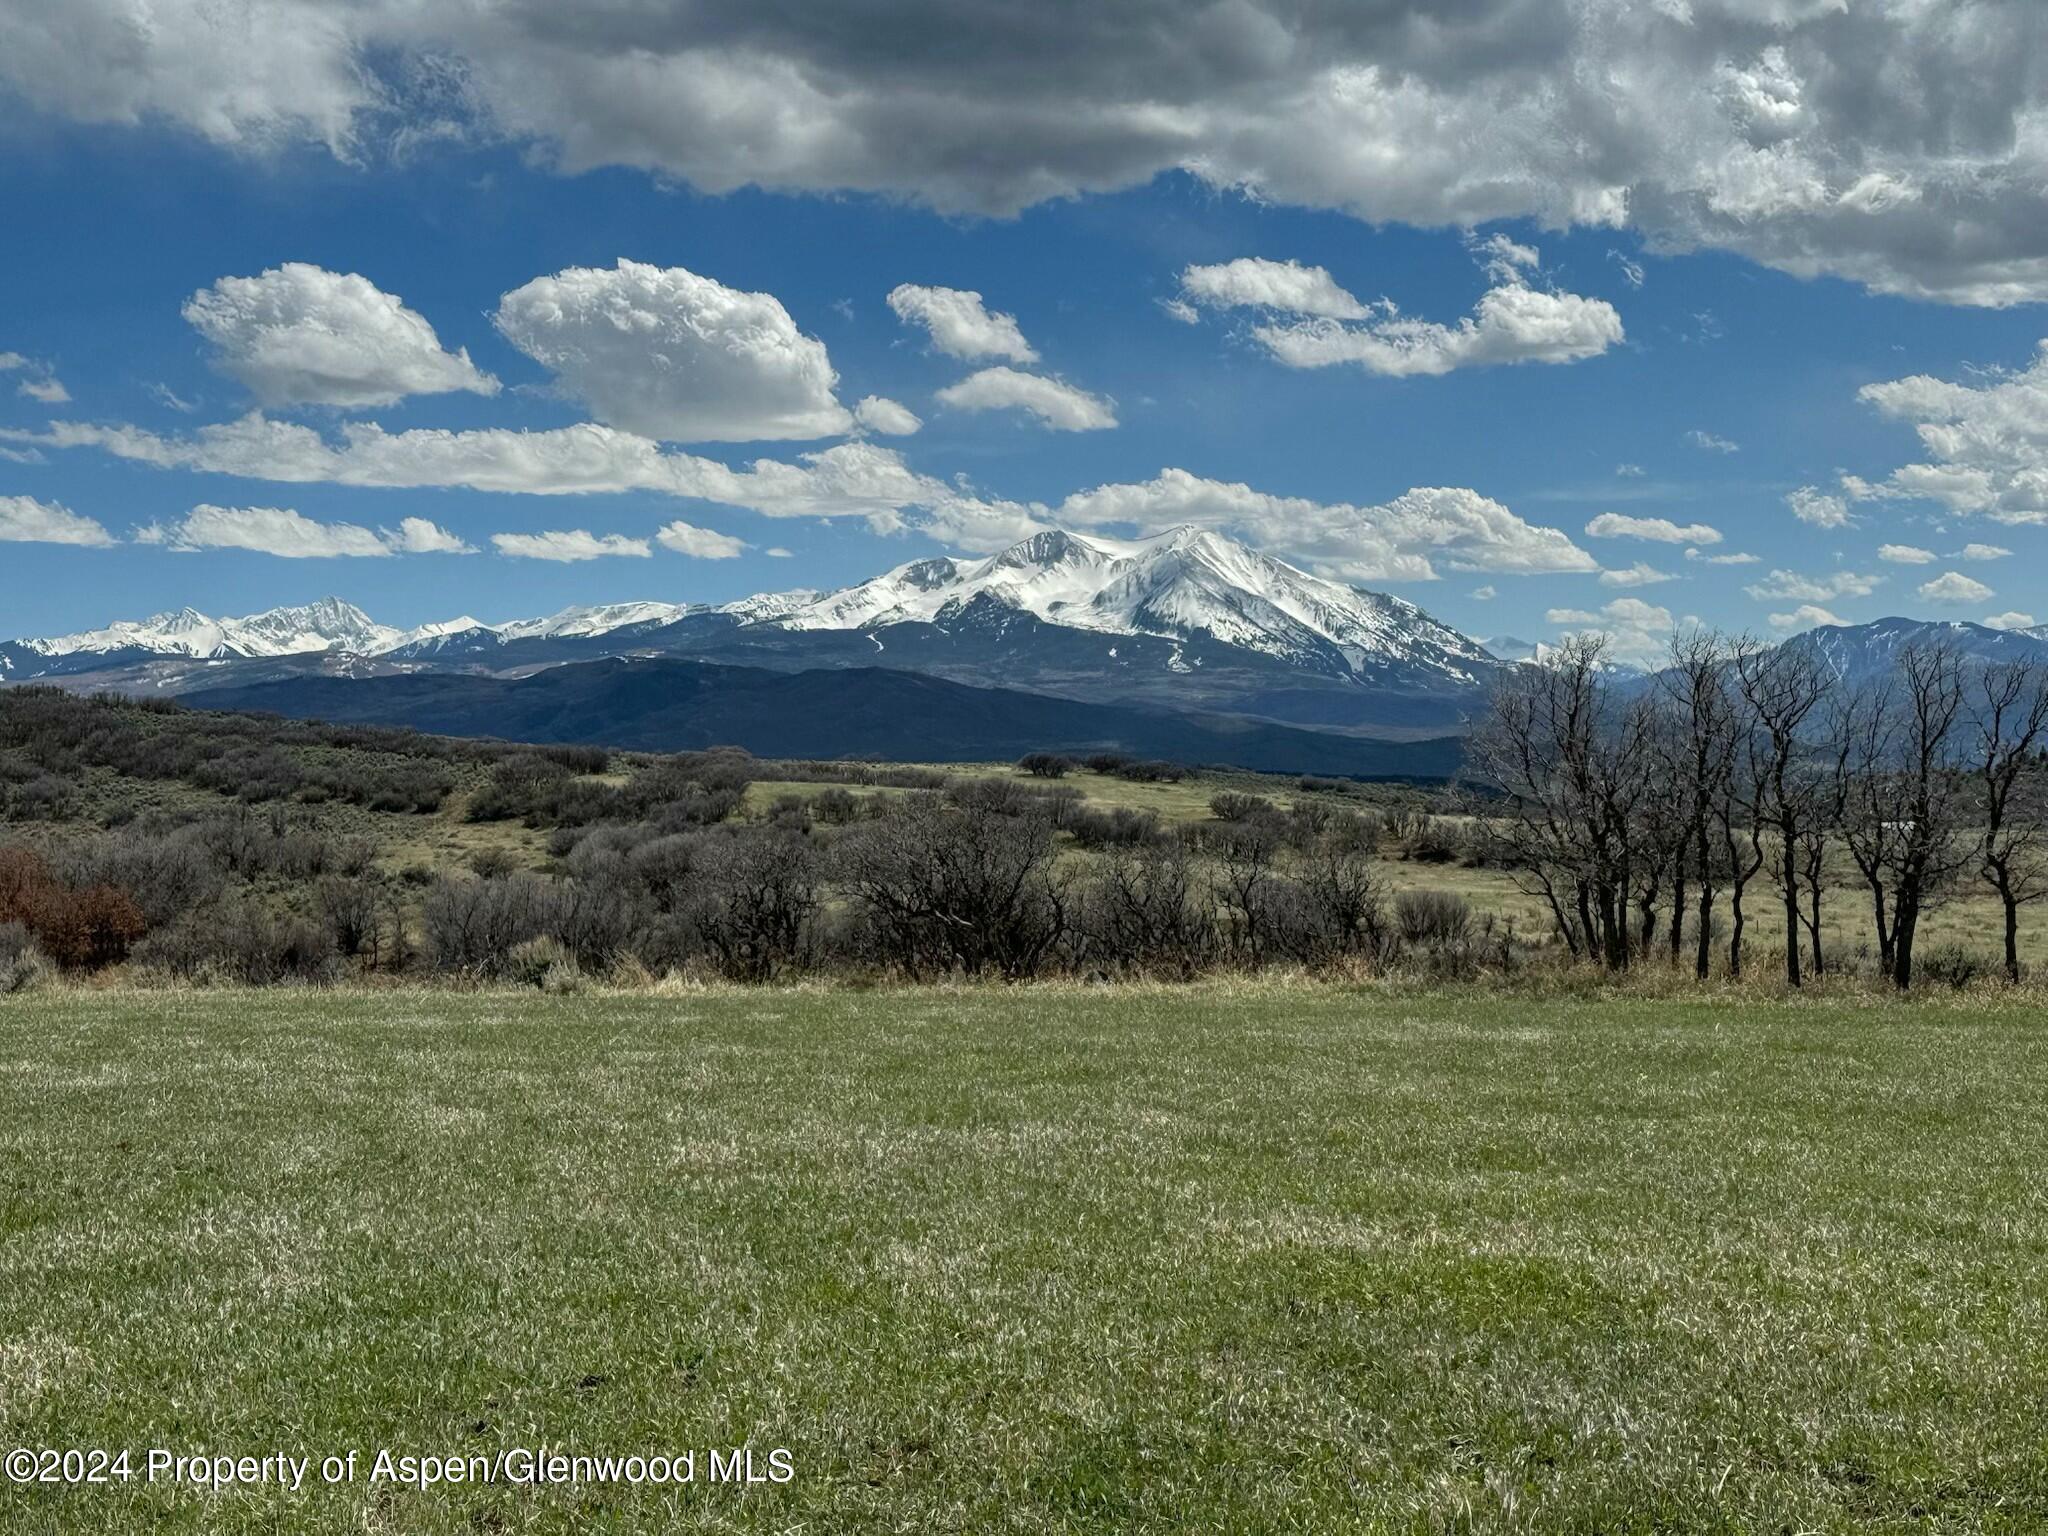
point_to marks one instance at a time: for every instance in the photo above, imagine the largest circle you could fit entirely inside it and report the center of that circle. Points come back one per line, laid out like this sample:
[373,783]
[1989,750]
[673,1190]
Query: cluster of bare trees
[1639,810]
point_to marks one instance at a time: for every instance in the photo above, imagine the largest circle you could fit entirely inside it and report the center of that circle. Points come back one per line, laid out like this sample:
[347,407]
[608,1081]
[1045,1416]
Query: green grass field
[1244,1258]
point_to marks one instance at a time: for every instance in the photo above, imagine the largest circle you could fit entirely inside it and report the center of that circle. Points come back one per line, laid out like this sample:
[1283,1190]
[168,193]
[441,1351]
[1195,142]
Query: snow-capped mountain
[1185,619]
[327,625]
[1182,584]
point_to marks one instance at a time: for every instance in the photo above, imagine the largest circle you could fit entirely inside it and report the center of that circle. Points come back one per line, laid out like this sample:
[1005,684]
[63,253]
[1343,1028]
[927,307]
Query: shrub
[1046,765]
[23,965]
[1232,806]
[1106,763]
[1154,772]
[1432,918]
[1951,965]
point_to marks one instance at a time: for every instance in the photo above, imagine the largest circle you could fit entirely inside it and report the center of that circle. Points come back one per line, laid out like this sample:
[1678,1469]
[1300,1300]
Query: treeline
[1639,812]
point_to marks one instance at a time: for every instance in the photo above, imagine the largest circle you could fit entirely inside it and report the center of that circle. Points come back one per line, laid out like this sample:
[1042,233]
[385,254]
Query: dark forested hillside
[666,705]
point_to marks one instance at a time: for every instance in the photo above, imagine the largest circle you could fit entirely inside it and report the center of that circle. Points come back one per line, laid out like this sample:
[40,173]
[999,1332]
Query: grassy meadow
[1231,1257]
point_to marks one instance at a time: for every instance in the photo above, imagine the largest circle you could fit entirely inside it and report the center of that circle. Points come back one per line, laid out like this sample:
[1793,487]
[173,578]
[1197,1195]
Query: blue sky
[1723,387]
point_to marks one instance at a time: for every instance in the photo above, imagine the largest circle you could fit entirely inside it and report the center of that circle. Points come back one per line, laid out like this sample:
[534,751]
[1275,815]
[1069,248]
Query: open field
[1246,1258]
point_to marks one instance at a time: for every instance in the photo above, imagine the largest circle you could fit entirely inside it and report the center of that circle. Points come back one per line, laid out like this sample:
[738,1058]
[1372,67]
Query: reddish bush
[81,929]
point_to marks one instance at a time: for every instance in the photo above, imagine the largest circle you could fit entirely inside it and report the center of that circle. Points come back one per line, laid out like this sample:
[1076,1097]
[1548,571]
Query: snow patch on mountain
[1176,585]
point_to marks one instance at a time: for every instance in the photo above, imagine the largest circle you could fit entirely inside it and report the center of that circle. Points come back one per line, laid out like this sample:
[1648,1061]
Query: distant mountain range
[1187,626]
[1187,620]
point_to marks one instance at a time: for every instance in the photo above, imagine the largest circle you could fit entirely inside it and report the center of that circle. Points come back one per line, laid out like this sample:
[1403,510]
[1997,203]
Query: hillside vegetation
[161,843]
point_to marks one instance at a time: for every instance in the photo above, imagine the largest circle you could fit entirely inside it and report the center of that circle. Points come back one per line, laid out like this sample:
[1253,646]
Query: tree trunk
[1902,943]
[1790,896]
[1677,916]
[1735,932]
[2012,935]
[1813,925]
[1703,940]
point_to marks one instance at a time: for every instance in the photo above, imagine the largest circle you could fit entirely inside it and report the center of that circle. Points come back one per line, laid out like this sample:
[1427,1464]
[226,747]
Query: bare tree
[1907,798]
[1576,765]
[1698,761]
[2009,711]
[1782,685]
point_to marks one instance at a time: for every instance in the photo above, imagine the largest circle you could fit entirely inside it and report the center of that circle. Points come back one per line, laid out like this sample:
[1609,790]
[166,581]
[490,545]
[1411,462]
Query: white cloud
[1986,445]
[1727,559]
[699,543]
[1983,552]
[2009,621]
[879,414]
[1659,530]
[1712,444]
[417,536]
[1513,324]
[1058,405]
[1485,594]
[25,520]
[1954,587]
[1252,282]
[855,479]
[41,385]
[570,546]
[1906,554]
[670,355]
[777,552]
[1400,540]
[1816,507]
[268,531]
[959,325]
[1817,589]
[1806,616]
[1629,471]
[301,335]
[1636,631]
[1631,269]
[1641,574]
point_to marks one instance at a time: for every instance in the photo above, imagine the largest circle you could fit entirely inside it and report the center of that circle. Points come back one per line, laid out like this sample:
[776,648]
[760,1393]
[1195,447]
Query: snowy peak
[1180,584]
[326,625]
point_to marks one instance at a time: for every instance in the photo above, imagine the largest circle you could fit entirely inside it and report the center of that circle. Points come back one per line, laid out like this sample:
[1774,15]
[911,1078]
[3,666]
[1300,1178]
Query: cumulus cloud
[1732,558]
[670,355]
[301,335]
[267,531]
[1636,632]
[417,536]
[1816,589]
[1253,282]
[1954,587]
[1983,552]
[1986,444]
[1641,574]
[2009,621]
[1659,530]
[1399,540]
[1894,143]
[1816,507]
[1906,554]
[1057,405]
[25,520]
[1512,324]
[886,416]
[959,324]
[699,543]
[570,546]
[1711,443]
[1805,616]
